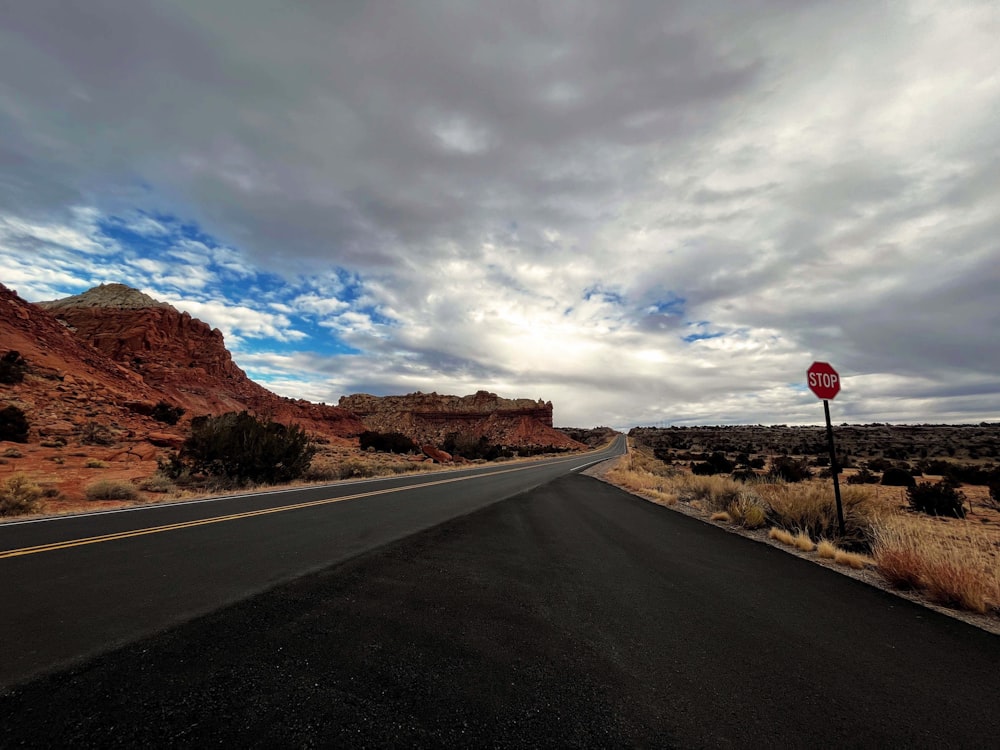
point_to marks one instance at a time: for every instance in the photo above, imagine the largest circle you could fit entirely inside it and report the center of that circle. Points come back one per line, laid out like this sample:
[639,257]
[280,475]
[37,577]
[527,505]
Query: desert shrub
[241,448]
[157,483]
[95,433]
[895,476]
[12,368]
[19,495]
[353,469]
[53,443]
[109,489]
[941,499]
[863,477]
[995,495]
[167,413]
[12,452]
[95,463]
[961,473]
[747,510]
[467,445]
[757,463]
[878,464]
[788,469]
[387,442]
[717,463]
[13,425]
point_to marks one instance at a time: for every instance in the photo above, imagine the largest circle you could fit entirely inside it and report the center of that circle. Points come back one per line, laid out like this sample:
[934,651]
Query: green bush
[788,469]
[467,445]
[863,477]
[942,499]
[19,495]
[244,449]
[895,476]
[167,413]
[109,489]
[387,442]
[12,368]
[13,425]
[717,463]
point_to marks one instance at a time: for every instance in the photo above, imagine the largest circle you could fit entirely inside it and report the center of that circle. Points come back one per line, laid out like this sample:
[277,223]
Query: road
[74,587]
[571,614]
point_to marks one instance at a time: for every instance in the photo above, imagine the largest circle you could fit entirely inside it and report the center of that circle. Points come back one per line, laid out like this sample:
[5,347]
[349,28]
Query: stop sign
[823,380]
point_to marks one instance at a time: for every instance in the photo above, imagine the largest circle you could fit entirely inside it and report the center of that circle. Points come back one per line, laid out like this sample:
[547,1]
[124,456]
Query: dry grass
[658,487]
[109,489]
[748,510]
[955,567]
[722,516]
[811,507]
[803,542]
[826,549]
[780,535]
[852,559]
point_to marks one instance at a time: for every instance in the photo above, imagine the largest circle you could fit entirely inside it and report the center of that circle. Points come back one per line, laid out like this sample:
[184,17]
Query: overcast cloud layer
[646,212]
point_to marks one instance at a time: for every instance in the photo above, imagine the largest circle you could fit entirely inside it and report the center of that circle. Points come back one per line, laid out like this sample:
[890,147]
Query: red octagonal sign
[823,380]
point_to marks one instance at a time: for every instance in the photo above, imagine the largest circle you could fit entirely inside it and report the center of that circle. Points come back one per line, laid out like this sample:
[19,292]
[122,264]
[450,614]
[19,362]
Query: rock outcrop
[431,418]
[182,359]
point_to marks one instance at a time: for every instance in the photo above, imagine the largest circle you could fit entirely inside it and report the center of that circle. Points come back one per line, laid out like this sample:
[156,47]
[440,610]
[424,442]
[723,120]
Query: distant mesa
[431,418]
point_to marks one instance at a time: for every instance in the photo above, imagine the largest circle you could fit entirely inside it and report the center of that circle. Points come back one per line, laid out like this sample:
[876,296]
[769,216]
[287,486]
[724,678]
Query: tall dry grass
[956,566]
[811,507]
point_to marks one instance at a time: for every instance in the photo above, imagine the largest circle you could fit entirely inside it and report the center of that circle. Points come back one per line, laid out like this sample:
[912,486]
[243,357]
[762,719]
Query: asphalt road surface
[569,615]
[71,588]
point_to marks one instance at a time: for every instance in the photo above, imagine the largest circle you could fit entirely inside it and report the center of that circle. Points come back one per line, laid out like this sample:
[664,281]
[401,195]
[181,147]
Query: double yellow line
[236,516]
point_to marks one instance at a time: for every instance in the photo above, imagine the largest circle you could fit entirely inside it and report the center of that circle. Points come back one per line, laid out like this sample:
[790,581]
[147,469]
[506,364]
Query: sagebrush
[241,448]
[19,495]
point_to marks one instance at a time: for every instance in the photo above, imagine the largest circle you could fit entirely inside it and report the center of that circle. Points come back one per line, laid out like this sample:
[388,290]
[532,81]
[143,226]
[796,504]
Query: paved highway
[570,615]
[74,587]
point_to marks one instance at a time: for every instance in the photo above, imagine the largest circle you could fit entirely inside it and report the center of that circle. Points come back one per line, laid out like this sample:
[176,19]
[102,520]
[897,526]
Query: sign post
[824,381]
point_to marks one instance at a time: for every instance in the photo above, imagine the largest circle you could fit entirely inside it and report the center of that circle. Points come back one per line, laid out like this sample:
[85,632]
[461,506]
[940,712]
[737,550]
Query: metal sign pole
[834,467]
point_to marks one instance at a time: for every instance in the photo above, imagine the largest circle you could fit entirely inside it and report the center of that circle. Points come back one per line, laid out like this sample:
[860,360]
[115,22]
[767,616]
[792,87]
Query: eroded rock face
[429,418]
[148,351]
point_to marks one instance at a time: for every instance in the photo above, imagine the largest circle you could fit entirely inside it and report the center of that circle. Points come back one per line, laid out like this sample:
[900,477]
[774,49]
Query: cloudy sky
[647,212]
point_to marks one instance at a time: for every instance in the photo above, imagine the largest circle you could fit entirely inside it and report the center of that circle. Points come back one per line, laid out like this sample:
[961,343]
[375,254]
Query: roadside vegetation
[19,496]
[916,536]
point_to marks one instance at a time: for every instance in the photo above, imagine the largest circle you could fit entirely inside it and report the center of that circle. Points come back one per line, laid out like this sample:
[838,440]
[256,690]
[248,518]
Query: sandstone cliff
[431,418]
[182,359]
[67,383]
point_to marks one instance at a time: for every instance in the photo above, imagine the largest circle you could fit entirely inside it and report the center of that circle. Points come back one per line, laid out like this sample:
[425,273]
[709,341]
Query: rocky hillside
[431,418]
[182,359]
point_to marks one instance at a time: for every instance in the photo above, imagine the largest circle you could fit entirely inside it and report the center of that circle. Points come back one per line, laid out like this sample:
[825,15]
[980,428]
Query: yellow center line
[51,547]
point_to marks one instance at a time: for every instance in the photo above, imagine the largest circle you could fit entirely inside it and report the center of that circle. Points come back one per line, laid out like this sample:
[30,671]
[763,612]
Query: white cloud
[549,212]
[236,321]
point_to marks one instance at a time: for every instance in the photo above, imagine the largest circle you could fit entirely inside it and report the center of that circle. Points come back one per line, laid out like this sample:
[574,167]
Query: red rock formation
[182,359]
[67,382]
[430,418]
